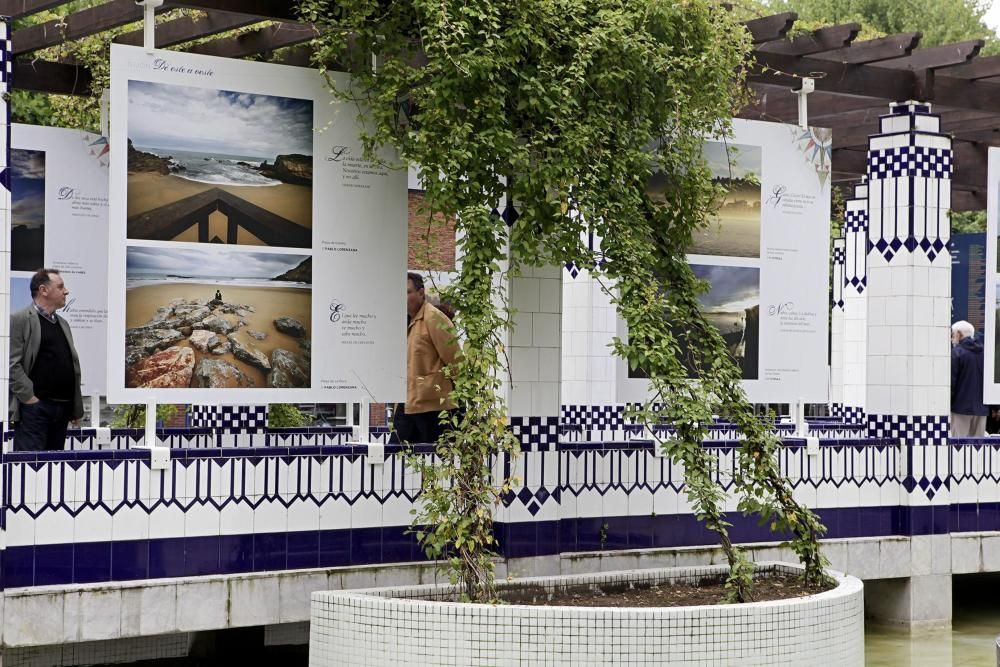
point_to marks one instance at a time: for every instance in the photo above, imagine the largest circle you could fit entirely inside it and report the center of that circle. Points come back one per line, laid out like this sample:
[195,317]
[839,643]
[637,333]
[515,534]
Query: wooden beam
[850,161]
[969,200]
[262,40]
[824,39]
[979,95]
[16,9]
[864,81]
[873,50]
[267,10]
[297,56]
[49,77]
[990,136]
[83,23]
[770,28]
[855,134]
[937,56]
[775,102]
[186,28]
[982,67]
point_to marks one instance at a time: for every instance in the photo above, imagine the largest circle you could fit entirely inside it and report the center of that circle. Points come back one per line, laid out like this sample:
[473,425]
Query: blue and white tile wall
[855,353]
[837,328]
[909,295]
[106,516]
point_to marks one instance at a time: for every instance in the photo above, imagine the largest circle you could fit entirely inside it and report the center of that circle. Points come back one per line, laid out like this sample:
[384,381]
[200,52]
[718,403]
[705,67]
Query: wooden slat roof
[855,80]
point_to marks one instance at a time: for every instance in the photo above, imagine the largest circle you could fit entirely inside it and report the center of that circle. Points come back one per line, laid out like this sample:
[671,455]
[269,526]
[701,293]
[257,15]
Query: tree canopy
[940,22]
[566,107]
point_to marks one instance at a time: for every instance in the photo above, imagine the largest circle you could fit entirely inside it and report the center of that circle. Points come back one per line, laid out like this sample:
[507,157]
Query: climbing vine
[566,107]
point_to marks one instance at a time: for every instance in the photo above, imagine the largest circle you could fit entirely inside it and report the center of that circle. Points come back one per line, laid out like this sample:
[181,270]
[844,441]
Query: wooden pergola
[855,80]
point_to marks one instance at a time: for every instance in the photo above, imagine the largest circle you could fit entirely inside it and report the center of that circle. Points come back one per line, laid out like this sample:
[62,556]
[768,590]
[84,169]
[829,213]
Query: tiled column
[855,340]
[909,311]
[837,330]
[535,351]
[589,400]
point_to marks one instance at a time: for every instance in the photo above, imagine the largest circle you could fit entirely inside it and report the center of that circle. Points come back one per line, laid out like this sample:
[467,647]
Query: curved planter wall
[390,628]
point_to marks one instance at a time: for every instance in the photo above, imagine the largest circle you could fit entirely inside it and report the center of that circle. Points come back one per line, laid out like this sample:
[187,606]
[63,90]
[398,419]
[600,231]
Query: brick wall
[377,415]
[431,240]
[179,420]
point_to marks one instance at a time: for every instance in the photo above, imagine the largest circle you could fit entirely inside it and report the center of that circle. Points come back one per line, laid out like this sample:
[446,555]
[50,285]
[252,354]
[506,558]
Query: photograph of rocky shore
[205,317]
[27,212]
[216,166]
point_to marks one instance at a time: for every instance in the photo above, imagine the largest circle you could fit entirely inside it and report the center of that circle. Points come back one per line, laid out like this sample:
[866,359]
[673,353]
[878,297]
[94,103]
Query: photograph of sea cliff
[208,317]
[217,166]
[27,212]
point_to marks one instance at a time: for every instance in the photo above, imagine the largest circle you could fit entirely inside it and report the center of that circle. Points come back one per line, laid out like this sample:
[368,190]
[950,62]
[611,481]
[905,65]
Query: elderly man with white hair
[968,414]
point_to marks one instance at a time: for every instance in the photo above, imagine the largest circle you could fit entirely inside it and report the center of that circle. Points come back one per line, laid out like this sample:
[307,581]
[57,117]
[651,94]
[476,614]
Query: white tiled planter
[390,628]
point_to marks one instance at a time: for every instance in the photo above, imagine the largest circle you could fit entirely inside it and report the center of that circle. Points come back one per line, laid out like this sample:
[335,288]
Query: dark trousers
[42,426]
[420,427]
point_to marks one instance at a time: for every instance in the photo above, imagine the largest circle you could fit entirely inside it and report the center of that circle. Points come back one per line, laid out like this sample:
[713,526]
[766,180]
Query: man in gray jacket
[44,368]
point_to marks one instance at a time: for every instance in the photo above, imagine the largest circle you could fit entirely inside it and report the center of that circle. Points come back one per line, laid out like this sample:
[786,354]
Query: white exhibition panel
[59,220]
[767,259]
[991,378]
[241,188]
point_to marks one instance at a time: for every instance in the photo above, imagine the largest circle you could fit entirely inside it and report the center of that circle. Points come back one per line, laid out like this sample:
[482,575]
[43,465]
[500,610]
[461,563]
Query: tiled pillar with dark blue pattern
[855,297]
[535,356]
[837,330]
[909,311]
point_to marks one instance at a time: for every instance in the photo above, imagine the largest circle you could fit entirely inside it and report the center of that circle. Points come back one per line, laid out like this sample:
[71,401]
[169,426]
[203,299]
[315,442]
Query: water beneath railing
[971,642]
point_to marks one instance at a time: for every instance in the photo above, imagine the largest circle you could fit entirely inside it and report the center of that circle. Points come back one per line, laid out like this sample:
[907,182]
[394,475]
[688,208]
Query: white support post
[808,86]
[106,112]
[149,23]
[150,435]
[95,411]
[159,457]
[364,425]
[799,416]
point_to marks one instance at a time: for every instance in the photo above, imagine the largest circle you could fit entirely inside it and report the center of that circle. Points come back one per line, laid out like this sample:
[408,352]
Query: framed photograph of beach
[244,318]
[235,280]
[59,220]
[759,255]
[218,166]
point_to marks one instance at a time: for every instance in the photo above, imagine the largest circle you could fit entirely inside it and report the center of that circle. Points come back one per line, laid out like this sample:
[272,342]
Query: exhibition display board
[59,220]
[968,278]
[255,254]
[991,360]
[766,258]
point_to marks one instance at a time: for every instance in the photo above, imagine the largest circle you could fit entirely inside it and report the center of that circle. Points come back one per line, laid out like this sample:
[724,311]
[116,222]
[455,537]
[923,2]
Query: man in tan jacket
[430,347]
